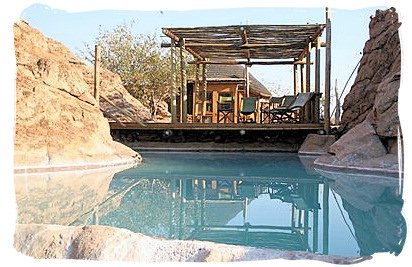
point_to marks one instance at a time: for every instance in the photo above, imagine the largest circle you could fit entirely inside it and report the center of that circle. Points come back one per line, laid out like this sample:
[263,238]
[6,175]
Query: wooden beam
[317,80]
[173,89]
[327,72]
[243,62]
[302,79]
[295,79]
[97,59]
[204,89]
[183,80]
[196,95]
[247,76]
[308,68]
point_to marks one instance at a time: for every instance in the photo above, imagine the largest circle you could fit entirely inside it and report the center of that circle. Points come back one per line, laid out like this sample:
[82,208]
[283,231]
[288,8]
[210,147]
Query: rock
[378,74]
[113,244]
[370,110]
[57,119]
[316,144]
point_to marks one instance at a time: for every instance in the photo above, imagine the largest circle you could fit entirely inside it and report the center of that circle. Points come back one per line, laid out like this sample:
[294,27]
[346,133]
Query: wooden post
[183,81]
[173,102]
[97,59]
[196,95]
[247,80]
[327,72]
[295,79]
[204,90]
[302,79]
[307,88]
[317,80]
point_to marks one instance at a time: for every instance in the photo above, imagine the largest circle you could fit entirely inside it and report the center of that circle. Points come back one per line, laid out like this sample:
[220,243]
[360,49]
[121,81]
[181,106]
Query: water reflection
[264,200]
[374,205]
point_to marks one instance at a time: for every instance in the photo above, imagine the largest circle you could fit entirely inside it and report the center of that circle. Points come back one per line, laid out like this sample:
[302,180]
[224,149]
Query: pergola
[250,45]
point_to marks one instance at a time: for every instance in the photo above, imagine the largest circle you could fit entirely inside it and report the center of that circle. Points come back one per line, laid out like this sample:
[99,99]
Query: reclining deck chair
[248,107]
[278,114]
[265,108]
[225,109]
[294,112]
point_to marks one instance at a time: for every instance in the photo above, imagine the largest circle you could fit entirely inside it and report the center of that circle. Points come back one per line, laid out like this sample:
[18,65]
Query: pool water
[259,199]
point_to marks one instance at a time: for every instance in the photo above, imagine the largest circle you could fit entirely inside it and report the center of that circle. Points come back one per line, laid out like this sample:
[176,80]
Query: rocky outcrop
[370,111]
[114,244]
[57,120]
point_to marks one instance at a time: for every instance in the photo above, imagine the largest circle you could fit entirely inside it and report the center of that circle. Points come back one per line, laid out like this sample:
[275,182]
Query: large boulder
[370,110]
[378,73]
[58,122]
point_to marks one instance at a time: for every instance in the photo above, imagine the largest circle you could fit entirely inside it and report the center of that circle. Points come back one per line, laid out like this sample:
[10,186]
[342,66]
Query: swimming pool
[271,200]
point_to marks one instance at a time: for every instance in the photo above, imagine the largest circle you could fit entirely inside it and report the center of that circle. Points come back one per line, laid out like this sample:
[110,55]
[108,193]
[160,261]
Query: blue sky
[349,30]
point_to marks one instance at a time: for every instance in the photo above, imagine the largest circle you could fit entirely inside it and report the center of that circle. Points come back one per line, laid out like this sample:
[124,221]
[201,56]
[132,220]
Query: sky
[74,22]
[349,31]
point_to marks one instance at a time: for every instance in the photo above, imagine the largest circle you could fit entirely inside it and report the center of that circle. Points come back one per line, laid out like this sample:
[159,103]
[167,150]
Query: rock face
[370,110]
[114,244]
[57,120]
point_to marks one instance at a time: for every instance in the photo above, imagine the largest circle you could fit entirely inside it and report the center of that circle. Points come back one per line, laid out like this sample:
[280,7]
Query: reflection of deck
[215,126]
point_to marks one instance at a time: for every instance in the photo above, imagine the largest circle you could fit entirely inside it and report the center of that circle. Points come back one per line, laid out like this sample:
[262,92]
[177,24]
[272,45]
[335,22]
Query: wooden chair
[225,108]
[248,107]
[278,114]
[295,111]
[265,108]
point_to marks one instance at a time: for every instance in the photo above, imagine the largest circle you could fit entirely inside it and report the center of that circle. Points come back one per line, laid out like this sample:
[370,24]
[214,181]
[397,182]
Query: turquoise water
[257,199]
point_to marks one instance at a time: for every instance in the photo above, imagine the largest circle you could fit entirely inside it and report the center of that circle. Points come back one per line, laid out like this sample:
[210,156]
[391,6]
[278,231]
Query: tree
[139,61]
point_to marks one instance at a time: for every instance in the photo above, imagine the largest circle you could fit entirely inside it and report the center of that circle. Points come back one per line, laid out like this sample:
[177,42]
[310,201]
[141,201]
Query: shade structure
[247,42]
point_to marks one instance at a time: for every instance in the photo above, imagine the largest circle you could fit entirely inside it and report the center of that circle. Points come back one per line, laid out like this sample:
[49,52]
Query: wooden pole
[327,72]
[196,95]
[173,102]
[247,80]
[183,81]
[307,88]
[317,80]
[302,79]
[97,59]
[295,79]
[204,89]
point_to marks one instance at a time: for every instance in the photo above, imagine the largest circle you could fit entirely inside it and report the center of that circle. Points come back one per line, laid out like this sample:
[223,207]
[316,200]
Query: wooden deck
[216,126]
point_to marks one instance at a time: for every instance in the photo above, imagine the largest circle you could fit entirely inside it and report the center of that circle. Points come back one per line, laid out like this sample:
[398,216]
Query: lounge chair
[279,114]
[266,107]
[248,107]
[225,108]
[295,111]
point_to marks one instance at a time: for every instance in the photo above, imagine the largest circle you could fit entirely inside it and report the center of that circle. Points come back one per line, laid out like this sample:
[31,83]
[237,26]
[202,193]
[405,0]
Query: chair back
[225,102]
[288,100]
[225,97]
[301,100]
[249,104]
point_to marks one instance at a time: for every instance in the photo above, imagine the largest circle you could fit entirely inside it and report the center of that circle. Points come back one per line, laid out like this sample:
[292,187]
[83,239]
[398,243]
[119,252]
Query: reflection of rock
[109,243]
[374,206]
[60,198]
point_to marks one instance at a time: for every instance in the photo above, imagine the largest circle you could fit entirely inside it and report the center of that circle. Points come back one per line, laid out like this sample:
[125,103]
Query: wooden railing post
[183,80]
[97,59]
[173,102]
[327,72]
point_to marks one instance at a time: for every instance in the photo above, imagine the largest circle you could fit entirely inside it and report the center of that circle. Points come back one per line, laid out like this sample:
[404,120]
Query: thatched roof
[235,73]
[247,42]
